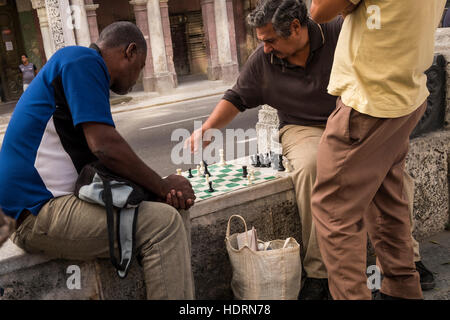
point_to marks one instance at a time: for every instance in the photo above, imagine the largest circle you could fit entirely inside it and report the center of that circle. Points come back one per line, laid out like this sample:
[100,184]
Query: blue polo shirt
[44,147]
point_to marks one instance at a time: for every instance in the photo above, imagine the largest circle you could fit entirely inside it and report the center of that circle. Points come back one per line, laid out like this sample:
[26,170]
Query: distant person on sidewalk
[378,75]
[63,123]
[28,70]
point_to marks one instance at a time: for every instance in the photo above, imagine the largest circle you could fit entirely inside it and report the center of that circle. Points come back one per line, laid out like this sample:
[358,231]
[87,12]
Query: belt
[22,217]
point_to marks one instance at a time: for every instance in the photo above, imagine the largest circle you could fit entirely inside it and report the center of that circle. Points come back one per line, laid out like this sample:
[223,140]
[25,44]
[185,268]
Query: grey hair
[121,34]
[281,13]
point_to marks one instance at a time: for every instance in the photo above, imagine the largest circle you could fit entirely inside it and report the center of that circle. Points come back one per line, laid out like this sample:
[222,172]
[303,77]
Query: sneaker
[378,295]
[315,289]
[426,277]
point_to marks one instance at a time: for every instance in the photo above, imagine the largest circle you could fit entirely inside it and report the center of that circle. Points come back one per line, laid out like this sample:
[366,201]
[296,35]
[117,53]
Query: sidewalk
[435,253]
[185,91]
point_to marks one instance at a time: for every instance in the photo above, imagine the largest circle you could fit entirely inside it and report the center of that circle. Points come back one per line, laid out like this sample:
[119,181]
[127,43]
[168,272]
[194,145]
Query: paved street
[149,130]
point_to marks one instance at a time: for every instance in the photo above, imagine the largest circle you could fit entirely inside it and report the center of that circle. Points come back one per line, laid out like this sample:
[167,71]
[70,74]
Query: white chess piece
[287,166]
[202,168]
[222,158]
[252,174]
[179,172]
[207,179]
[250,180]
[198,171]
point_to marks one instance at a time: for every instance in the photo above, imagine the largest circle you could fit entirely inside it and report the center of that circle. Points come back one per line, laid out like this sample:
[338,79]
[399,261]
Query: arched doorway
[11,49]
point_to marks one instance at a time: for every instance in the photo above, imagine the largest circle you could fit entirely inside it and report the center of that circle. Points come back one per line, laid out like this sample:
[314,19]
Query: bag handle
[245,225]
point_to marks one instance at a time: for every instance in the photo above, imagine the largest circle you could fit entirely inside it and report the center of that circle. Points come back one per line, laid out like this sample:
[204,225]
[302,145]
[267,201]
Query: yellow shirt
[384,48]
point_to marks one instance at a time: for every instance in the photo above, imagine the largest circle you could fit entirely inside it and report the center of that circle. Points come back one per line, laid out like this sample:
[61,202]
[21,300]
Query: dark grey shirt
[299,94]
[27,72]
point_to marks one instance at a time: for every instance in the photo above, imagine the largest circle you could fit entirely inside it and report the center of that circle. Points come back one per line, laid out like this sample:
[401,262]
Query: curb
[164,103]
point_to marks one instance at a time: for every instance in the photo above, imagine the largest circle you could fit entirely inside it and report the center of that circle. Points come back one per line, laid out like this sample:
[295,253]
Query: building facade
[207,39]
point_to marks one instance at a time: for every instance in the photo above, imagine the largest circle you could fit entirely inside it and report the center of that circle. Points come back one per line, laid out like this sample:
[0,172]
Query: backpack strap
[125,231]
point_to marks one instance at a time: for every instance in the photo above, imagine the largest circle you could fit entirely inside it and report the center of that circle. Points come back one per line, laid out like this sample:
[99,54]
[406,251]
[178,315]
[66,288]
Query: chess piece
[244,171]
[190,174]
[206,172]
[268,160]
[280,163]
[255,161]
[210,187]
[202,168]
[179,172]
[264,161]
[222,163]
[250,180]
[198,171]
[286,165]
[252,174]
[207,178]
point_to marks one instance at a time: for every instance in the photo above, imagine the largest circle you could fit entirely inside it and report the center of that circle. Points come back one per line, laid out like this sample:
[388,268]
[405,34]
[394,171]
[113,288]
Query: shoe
[315,289]
[426,277]
[378,295]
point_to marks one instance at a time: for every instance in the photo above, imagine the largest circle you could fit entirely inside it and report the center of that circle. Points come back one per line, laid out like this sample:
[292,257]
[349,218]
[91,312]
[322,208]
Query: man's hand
[7,227]
[180,194]
[196,139]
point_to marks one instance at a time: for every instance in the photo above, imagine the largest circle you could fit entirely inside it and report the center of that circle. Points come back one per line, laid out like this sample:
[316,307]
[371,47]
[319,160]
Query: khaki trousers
[360,189]
[69,228]
[300,144]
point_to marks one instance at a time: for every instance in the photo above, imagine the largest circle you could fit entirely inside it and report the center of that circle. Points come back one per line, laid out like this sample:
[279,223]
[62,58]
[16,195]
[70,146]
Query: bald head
[120,34]
[124,50]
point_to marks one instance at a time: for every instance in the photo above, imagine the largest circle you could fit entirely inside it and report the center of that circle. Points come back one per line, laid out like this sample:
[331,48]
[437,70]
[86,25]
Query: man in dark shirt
[290,72]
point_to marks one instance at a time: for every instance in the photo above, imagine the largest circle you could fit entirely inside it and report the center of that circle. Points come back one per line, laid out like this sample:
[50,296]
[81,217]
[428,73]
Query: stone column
[232,31]
[91,16]
[39,6]
[209,26]
[164,8]
[140,12]
[60,23]
[164,80]
[229,69]
[267,130]
[81,24]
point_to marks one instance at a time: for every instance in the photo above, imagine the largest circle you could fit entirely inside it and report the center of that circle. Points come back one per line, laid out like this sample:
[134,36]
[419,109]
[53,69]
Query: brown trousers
[70,228]
[300,144]
[359,189]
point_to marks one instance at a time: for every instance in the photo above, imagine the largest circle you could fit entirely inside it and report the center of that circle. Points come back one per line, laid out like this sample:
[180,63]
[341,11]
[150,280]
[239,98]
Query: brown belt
[22,217]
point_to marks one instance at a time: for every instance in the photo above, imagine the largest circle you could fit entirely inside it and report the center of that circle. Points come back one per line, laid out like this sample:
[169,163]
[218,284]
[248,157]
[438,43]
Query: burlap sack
[273,274]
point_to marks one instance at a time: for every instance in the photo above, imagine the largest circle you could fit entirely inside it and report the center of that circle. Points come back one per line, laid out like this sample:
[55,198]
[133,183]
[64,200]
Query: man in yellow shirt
[378,74]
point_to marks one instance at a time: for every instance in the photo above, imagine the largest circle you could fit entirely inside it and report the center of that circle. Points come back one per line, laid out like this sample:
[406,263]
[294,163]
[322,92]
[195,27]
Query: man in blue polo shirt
[63,122]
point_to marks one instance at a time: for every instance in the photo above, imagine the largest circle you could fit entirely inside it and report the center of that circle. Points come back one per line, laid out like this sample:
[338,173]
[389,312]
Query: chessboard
[225,179]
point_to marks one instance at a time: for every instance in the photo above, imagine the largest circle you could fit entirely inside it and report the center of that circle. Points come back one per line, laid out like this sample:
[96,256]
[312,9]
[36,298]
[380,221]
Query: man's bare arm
[326,10]
[115,153]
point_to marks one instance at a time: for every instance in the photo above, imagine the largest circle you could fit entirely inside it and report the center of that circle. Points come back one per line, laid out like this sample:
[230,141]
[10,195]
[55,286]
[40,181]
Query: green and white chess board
[226,179]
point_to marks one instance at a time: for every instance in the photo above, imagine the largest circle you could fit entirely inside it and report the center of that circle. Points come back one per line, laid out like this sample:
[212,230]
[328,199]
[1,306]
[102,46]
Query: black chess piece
[206,169]
[244,172]
[280,163]
[258,161]
[268,160]
[263,161]
[210,187]
[190,173]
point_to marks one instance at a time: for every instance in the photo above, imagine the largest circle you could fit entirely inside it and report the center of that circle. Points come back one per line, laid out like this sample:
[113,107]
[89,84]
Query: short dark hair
[121,34]
[281,13]
[24,54]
